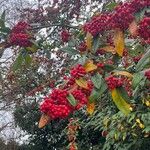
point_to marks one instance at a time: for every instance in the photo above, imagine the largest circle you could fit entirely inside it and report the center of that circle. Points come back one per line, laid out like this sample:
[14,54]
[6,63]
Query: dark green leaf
[143,61]
[2,20]
[18,62]
[97,80]
[3,16]
[96,93]
[137,79]
[108,67]
[124,94]
[5,29]
[72,100]
[96,43]
[70,50]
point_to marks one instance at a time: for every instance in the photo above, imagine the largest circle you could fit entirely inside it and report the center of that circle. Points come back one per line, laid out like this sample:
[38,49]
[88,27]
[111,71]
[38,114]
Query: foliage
[97,73]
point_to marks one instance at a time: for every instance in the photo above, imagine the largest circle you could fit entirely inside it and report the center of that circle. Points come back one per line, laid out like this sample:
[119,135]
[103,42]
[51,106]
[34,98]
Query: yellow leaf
[121,104]
[89,66]
[82,83]
[44,120]
[124,73]
[147,103]
[90,108]
[141,125]
[133,28]
[89,39]
[119,42]
[109,49]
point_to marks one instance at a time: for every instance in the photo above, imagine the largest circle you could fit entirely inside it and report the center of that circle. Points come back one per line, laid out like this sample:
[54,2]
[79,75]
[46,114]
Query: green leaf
[3,16]
[28,60]
[2,23]
[18,62]
[96,93]
[111,6]
[143,61]
[97,80]
[123,93]
[2,19]
[96,43]
[69,50]
[137,77]
[5,29]
[72,100]
[108,67]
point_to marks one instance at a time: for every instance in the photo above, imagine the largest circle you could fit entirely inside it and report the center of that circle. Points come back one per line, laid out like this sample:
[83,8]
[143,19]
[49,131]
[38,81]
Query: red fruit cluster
[144,30]
[121,17]
[82,47]
[147,74]
[54,110]
[80,97]
[65,35]
[58,106]
[78,71]
[97,25]
[21,27]
[20,39]
[19,35]
[137,5]
[113,82]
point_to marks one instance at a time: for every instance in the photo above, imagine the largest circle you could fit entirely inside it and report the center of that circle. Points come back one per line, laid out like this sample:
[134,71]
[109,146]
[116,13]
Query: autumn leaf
[90,108]
[121,103]
[82,83]
[124,73]
[90,66]
[110,49]
[133,28]
[44,120]
[89,39]
[119,42]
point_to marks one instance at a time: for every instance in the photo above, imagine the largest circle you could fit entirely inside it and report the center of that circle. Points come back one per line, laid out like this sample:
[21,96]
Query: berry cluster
[144,30]
[121,17]
[19,35]
[58,106]
[147,74]
[80,97]
[78,71]
[113,82]
[65,35]
[21,27]
[97,25]
[137,5]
